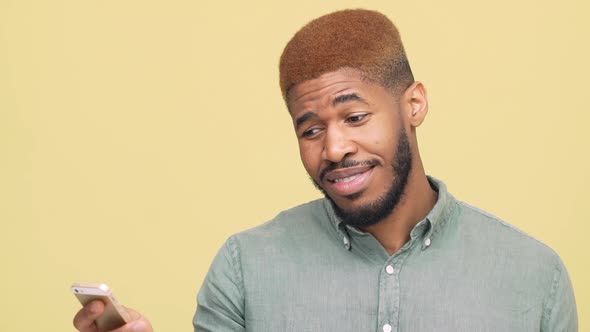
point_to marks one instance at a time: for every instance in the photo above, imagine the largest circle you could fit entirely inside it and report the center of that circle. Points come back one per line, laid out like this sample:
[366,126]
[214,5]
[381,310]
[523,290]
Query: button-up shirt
[462,270]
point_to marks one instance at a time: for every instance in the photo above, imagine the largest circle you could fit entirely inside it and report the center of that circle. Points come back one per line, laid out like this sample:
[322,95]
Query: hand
[84,319]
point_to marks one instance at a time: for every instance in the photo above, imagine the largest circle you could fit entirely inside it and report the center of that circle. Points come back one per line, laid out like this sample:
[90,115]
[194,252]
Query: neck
[417,201]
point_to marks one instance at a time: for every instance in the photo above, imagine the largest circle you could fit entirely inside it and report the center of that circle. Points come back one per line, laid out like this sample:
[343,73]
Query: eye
[310,132]
[356,118]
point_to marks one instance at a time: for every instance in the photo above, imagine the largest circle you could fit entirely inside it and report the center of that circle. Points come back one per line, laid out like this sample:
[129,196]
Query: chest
[402,294]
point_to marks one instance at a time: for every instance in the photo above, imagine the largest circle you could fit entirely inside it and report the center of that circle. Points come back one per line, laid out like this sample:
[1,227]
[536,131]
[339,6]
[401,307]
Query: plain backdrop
[136,136]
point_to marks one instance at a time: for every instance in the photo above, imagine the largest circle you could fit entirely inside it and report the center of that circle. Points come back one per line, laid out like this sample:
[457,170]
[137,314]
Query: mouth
[349,181]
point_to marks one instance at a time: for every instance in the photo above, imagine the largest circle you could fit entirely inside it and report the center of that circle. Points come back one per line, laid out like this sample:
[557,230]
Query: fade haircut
[359,39]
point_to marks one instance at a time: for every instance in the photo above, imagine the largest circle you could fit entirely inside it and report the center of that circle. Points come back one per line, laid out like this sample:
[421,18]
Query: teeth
[347,179]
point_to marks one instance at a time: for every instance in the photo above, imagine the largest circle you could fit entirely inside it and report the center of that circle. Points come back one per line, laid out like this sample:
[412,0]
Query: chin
[369,208]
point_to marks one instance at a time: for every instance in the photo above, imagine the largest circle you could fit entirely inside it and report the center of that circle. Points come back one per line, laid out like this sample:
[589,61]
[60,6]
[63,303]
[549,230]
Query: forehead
[326,87]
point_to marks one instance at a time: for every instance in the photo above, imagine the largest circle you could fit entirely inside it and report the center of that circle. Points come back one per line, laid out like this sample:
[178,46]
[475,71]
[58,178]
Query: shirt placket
[389,293]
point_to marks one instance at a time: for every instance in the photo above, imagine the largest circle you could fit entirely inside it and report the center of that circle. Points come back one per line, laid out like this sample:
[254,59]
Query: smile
[349,181]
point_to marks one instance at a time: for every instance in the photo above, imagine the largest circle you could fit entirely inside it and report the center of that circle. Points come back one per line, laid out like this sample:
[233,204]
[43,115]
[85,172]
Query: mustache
[347,163]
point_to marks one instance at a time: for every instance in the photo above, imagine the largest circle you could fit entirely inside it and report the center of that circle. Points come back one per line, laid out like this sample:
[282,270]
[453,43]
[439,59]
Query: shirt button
[346,241]
[386,328]
[427,242]
[389,269]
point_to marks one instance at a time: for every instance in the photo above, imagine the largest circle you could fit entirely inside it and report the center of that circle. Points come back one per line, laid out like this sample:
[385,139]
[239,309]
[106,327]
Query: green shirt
[462,270]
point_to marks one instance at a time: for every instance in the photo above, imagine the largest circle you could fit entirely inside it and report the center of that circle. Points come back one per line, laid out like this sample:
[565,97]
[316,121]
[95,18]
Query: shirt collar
[436,218]
[441,212]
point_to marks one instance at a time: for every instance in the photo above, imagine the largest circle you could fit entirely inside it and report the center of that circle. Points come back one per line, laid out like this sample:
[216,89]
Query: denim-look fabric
[462,270]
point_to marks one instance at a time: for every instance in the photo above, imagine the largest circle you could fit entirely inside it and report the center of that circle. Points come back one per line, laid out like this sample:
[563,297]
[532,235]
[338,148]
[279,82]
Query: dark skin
[84,319]
[340,116]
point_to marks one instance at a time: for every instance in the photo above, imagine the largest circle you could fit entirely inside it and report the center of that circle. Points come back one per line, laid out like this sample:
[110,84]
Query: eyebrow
[304,118]
[348,97]
[341,99]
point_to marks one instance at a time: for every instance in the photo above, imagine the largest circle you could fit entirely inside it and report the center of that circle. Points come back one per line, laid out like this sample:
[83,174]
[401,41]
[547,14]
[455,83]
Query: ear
[415,104]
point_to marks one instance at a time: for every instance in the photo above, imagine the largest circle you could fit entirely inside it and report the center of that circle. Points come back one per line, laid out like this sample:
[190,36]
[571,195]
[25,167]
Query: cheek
[380,141]
[308,158]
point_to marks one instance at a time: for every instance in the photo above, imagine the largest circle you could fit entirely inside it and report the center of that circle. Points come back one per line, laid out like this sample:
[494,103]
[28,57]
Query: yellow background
[136,136]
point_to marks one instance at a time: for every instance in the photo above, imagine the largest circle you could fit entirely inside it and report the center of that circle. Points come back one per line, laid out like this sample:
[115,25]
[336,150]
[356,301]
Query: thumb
[140,325]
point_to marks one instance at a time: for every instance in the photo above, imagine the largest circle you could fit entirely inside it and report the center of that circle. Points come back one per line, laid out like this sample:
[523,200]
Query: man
[388,249]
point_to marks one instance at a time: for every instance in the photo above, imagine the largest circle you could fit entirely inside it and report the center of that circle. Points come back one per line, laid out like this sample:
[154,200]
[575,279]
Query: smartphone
[114,314]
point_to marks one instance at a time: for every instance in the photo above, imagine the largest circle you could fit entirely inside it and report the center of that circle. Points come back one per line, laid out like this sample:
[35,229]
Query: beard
[373,212]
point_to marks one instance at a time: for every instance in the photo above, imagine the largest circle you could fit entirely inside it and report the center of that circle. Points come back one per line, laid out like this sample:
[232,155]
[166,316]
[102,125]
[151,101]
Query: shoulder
[295,218]
[498,235]
[296,224]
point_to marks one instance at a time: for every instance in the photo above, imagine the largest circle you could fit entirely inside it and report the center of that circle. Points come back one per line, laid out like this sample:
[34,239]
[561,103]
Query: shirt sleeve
[220,301]
[560,314]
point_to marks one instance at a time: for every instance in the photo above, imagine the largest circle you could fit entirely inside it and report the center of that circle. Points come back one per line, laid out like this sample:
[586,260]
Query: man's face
[353,144]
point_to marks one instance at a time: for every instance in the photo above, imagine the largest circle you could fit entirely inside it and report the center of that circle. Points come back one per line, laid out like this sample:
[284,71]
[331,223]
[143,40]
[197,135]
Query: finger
[84,319]
[134,315]
[138,325]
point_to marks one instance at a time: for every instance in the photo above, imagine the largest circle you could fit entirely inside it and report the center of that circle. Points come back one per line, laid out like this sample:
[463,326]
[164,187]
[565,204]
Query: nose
[337,145]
